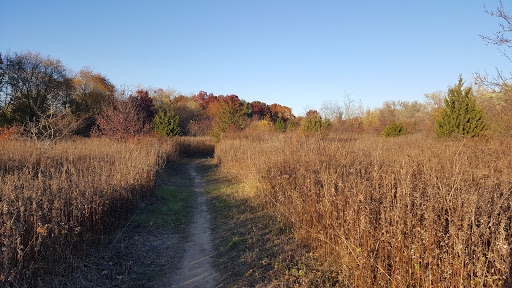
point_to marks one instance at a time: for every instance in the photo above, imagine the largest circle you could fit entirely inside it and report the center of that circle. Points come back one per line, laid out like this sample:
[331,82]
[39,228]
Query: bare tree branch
[502,40]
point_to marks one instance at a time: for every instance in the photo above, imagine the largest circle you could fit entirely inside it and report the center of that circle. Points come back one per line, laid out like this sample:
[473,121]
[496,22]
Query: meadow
[408,211]
[411,211]
[57,197]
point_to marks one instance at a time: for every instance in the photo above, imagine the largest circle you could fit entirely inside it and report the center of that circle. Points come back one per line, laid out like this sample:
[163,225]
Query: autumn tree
[205,100]
[162,99]
[92,91]
[121,120]
[497,107]
[208,105]
[229,112]
[412,114]
[144,106]
[215,103]
[231,115]
[260,111]
[33,83]
[280,111]
[434,103]
[333,111]
[37,93]
[188,111]
[222,112]
[187,108]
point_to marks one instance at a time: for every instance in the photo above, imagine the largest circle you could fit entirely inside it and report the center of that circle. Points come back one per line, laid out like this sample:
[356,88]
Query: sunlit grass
[411,211]
[172,208]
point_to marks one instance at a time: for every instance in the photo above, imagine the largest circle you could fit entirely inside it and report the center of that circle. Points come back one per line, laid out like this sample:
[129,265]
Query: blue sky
[295,53]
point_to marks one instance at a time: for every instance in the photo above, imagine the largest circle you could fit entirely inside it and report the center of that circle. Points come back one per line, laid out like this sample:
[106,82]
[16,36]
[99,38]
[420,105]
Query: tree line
[41,99]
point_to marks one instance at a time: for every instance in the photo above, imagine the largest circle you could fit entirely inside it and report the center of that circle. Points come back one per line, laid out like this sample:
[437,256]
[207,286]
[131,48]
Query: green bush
[460,115]
[166,124]
[292,124]
[314,124]
[394,130]
[280,125]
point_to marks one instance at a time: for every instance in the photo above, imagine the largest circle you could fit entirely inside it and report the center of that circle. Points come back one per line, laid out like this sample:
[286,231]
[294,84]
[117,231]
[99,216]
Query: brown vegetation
[55,199]
[195,146]
[401,212]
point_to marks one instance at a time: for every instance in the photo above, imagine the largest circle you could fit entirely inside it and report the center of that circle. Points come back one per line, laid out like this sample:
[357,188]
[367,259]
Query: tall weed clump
[399,212]
[58,198]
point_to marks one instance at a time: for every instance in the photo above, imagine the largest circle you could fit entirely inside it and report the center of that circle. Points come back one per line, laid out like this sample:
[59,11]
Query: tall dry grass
[195,146]
[406,212]
[55,198]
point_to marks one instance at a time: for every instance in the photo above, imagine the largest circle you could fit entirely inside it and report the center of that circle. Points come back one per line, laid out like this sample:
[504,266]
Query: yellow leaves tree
[92,91]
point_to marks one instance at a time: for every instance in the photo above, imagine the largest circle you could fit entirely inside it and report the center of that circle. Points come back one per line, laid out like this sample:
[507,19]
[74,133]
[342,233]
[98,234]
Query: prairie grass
[403,212]
[195,146]
[55,198]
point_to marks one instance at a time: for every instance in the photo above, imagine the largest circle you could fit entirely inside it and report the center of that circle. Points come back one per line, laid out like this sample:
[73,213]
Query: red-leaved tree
[144,104]
[204,99]
[121,120]
[260,110]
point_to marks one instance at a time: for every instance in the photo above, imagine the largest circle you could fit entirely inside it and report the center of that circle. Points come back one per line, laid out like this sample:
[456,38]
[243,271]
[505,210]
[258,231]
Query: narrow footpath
[197,232]
[196,268]
[167,242]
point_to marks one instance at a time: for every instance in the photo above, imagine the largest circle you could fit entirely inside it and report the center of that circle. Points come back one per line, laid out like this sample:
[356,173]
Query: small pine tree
[280,125]
[166,124]
[460,115]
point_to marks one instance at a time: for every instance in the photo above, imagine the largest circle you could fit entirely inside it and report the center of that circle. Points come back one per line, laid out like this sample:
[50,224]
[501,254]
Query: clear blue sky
[295,53]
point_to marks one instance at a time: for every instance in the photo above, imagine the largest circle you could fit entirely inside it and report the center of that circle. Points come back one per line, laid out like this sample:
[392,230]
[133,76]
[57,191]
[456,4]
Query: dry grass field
[410,211]
[55,198]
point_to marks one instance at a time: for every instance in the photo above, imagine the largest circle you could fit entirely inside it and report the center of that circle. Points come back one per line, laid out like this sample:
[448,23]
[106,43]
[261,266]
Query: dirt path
[173,240]
[167,243]
[196,267]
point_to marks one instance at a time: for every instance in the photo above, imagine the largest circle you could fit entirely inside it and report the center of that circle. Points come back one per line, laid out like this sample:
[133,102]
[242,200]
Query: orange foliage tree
[92,91]
[280,111]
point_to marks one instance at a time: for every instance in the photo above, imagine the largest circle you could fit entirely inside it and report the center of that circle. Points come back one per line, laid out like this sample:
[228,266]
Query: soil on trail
[198,232]
[167,243]
[196,268]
